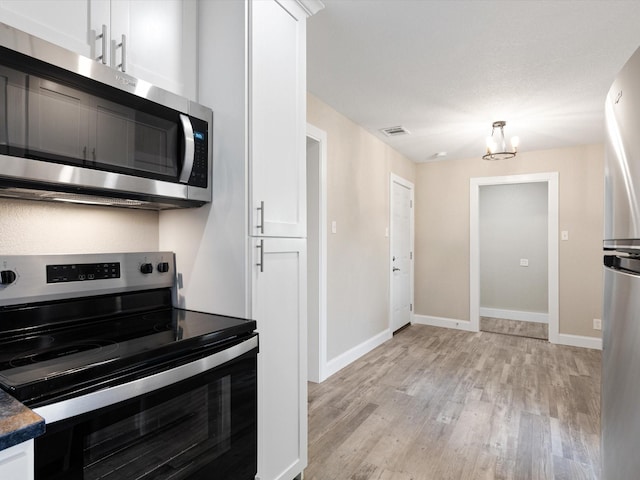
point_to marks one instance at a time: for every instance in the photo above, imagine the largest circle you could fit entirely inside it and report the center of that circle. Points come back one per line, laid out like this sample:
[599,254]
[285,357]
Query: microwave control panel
[199,174]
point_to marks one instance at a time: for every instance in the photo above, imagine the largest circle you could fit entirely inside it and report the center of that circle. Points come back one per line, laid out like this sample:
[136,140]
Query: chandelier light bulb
[491,145]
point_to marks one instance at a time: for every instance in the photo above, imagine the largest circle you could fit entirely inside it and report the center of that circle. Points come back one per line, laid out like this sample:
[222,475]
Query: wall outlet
[597,324]
[524,262]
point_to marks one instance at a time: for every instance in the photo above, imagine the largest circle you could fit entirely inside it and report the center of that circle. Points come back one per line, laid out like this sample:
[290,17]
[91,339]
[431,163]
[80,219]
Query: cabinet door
[160,42]
[279,308]
[65,22]
[17,462]
[277,121]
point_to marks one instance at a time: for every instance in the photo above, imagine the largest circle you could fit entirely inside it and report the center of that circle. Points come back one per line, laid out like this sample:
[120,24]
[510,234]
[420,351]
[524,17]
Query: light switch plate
[564,235]
[524,262]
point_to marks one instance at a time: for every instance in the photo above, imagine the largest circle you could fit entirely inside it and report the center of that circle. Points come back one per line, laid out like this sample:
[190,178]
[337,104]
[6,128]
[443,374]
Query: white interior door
[401,252]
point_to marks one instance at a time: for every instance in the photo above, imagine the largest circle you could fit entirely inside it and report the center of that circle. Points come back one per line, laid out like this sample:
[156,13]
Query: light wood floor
[435,404]
[514,327]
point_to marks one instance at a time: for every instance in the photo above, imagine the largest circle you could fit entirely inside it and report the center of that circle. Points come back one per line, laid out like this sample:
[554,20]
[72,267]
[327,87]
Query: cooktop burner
[93,346]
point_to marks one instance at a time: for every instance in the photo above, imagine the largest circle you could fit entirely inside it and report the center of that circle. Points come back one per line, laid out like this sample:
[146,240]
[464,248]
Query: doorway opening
[316,254]
[499,295]
[514,259]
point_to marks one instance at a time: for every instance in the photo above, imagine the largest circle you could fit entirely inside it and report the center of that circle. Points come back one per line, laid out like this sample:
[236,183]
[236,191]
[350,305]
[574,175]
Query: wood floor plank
[438,404]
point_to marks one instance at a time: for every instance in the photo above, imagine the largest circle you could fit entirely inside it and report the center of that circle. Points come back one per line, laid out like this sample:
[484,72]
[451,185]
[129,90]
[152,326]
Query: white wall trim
[393,178]
[524,316]
[551,178]
[321,137]
[444,322]
[336,364]
[579,341]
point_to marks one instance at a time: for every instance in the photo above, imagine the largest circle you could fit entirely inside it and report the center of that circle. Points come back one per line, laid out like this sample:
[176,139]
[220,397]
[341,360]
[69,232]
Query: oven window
[195,429]
[124,449]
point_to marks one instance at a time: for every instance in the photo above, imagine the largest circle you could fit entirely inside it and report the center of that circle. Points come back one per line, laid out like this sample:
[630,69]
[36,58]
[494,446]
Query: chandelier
[496,145]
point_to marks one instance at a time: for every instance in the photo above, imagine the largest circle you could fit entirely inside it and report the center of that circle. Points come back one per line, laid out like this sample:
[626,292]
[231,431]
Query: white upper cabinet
[160,42]
[277,120]
[154,40]
[66,22]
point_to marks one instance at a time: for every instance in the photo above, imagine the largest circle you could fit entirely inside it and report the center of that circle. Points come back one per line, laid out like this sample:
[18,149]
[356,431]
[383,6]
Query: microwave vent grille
[33,194]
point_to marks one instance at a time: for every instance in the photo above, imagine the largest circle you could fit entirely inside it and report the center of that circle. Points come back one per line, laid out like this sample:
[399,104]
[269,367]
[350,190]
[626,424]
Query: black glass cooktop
[46,350]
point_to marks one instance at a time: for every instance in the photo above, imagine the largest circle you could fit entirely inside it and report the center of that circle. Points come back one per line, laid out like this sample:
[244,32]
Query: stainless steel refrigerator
[621,308]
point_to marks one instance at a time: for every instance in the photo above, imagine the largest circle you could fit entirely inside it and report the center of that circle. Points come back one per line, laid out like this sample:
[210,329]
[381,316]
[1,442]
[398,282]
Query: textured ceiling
[446,69]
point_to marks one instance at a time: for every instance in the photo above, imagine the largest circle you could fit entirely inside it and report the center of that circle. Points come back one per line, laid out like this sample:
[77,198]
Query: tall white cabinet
[277,226]
[245,254]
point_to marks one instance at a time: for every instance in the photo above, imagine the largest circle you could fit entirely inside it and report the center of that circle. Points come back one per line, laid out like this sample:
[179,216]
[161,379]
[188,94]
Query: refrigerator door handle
[625,264]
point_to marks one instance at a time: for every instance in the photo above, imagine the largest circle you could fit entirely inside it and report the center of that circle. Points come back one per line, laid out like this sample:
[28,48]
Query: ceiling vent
[395,131]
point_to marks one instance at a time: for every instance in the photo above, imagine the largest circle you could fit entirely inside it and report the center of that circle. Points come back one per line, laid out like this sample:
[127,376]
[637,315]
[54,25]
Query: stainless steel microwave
[75,130]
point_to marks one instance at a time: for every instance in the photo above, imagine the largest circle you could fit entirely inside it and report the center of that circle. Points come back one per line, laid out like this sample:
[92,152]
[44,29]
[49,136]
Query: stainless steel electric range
[130,386]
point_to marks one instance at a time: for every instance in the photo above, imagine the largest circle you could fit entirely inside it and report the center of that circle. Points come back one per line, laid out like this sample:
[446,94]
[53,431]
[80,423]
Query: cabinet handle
[261,263]
[261,208]
[123,54]
[103,40]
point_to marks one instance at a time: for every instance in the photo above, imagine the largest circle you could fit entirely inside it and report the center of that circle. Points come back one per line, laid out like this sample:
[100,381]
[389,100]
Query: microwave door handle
[189,149]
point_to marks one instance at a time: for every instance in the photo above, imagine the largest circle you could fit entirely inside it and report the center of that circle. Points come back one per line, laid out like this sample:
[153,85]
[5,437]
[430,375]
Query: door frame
[551,178]
[317,369]
[393,178]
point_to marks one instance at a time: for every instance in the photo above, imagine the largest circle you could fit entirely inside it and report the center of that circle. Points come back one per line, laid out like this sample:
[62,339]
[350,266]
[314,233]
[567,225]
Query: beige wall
[33,227]
[442,232]
[358,171]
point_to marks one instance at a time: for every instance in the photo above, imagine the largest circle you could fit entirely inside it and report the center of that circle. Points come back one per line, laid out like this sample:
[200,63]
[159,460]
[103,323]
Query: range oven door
[199,427]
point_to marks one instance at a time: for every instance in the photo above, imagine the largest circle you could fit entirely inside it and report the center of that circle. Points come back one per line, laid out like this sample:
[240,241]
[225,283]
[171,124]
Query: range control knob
[163,267]
[7,277]
[146,268]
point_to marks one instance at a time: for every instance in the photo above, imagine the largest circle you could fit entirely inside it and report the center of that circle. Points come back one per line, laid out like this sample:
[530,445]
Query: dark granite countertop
[17,422]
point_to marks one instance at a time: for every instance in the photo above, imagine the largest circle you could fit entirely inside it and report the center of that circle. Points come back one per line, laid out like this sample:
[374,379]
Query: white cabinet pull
[122,66]
[261,209]
[261,262]
[103,40]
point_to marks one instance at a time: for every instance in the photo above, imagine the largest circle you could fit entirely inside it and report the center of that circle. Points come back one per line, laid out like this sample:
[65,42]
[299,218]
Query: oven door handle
[110,396]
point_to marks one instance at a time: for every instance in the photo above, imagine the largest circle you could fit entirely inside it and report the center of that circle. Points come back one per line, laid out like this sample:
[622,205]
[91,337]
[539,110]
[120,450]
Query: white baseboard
[443,322]
[525,316]
[579,341]
[562,338]
[353,354]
